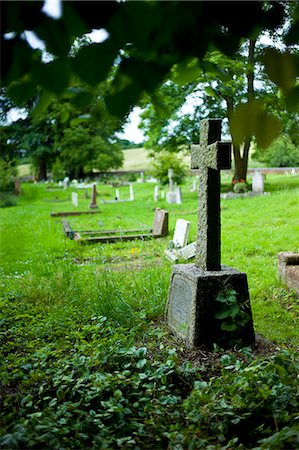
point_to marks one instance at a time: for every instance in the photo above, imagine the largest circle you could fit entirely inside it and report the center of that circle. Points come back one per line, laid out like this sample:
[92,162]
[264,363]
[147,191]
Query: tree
[146,38]
[221,86]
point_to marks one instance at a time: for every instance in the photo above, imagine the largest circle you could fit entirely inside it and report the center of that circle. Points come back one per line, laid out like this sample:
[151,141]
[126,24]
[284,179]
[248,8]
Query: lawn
[87,359]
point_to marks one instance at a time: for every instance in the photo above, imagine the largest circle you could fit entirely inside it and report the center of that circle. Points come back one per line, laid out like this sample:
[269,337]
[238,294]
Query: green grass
[87,360]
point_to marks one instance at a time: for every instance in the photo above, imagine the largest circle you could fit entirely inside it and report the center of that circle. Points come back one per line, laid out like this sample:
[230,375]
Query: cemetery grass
[87,360]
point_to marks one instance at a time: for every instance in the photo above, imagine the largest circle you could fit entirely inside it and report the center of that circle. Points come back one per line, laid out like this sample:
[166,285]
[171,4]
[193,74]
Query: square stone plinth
[191,307]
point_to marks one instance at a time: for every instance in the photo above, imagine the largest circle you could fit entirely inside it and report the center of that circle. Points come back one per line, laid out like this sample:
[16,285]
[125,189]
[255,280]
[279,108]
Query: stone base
[288,269]
[192,306]
[93,206]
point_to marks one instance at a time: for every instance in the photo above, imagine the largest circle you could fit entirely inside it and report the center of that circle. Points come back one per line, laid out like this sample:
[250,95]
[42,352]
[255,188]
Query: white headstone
[171,197]
[178,192]
[131,192]
[170,177]
[66,182]
[257,182]
[194,186]
[162,194]
[156,193]
[117,194]
[75,198]
[181,232]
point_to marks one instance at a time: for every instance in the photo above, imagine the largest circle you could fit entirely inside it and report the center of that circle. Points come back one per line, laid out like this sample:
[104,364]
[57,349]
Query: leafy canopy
[145,38]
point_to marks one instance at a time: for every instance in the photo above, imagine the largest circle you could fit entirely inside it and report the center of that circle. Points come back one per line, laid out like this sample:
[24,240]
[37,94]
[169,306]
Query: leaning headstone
[75,198]
[93,203]
[160,225]
[181,232]
[201,294]
[258,182]
[156,193]
[177,248]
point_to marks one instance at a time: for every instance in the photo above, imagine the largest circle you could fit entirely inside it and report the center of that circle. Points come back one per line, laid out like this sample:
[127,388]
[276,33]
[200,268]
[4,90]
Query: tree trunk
[42,170]
[241,159]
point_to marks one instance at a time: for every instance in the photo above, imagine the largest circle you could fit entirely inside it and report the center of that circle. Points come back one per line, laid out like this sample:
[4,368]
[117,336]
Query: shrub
[164,161]
[282,153]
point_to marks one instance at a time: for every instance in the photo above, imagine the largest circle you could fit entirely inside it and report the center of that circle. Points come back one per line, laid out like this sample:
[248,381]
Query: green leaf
[281,68]
[186,72]
[141,363]
[20,93]
[228,327]
[93,62]
[64,116]
[42,103]
[250,119]
[53,76]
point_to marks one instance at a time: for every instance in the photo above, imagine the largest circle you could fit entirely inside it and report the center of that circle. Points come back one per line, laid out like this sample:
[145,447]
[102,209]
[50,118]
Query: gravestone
[65,182]
[131,192]
[258,182]
[156,193]
[93,203]
[181,232]
[75,198]
[176,247]
[117,195]
[194,186]
[173,195]
[160,225]
[194,300]
[178,192]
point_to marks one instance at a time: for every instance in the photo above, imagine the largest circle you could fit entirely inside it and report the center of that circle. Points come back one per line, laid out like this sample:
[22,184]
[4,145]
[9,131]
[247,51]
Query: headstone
[194,186]
[193,304]
[170,178]
[258,182]
[142,177]
[162,194]
[93,203]
[156,193]
[131,192]
[75,198]
[178,192]
[160,225]
[117,196]
[181,232]
[66,182]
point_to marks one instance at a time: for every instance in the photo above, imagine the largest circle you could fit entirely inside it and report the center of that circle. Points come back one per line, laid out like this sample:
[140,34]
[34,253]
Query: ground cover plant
[87,360]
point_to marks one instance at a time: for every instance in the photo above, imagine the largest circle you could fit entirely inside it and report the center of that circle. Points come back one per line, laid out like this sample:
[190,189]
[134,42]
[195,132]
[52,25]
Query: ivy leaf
[141,363]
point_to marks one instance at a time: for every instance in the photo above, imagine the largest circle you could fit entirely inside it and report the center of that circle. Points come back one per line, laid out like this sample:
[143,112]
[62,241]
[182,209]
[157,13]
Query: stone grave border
[158,230]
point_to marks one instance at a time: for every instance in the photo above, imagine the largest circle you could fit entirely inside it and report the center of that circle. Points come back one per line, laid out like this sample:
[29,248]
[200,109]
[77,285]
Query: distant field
[135,159]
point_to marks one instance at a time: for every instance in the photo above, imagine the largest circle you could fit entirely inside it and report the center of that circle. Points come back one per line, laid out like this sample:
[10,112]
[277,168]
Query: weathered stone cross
[209,156]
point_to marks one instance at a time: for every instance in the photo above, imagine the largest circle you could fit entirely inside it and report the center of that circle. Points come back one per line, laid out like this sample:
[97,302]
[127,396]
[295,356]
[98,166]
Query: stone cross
[209,156]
